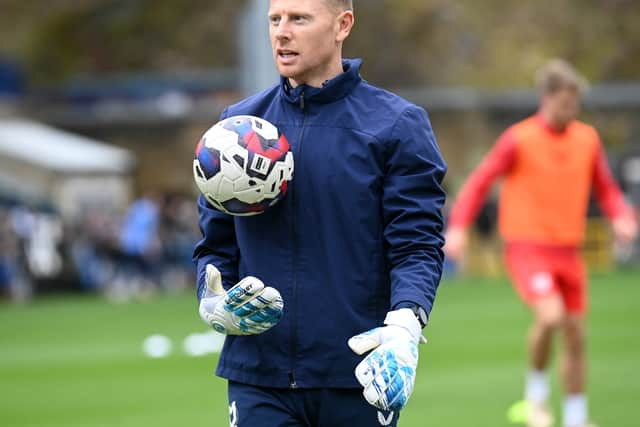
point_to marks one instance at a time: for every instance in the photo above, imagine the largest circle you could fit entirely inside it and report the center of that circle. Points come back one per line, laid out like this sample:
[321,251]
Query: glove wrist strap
[405,318]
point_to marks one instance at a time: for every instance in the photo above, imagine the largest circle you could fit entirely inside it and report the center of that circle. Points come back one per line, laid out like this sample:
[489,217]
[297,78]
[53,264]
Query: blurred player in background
[550,162]
[353,251]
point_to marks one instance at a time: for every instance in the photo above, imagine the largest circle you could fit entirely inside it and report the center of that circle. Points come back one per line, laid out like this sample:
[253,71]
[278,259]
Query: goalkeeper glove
[388,372]
[248,308]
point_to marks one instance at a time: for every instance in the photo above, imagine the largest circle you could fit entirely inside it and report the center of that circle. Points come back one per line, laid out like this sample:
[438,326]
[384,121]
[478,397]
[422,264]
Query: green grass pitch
[78,361]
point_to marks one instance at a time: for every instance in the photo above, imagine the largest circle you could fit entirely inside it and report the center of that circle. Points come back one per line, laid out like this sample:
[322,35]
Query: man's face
[563,105]
[305,38]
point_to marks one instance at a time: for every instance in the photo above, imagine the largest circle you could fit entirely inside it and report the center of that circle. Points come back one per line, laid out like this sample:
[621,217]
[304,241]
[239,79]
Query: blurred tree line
[487,43]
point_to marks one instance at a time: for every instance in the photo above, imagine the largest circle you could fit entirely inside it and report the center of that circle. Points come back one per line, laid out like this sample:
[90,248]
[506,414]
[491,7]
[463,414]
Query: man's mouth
[287,54]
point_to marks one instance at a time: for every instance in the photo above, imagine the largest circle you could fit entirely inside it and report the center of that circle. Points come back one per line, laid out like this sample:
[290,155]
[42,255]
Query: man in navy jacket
[354,246]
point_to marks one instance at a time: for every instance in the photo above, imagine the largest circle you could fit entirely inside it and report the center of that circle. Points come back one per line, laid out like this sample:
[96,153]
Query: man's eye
[275,20]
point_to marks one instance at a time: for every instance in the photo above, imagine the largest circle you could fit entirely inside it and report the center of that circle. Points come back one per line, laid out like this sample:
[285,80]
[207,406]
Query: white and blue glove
[388,373]
[248,308]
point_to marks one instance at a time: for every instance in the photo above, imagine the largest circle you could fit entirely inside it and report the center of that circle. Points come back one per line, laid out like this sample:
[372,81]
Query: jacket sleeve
[218,245]
[496,163]
[412,207]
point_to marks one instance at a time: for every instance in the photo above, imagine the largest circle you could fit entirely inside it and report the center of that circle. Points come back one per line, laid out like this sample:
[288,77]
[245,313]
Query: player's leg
[573,364]
[532,275]
[347,407]
[251,406]
[548,316]
[574,372]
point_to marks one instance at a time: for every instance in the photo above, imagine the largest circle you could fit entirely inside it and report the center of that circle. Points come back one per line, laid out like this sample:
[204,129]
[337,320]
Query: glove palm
[248,308]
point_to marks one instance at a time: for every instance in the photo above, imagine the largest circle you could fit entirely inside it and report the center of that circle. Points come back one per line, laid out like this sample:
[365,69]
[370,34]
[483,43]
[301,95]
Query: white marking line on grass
[158,346]
[209,342]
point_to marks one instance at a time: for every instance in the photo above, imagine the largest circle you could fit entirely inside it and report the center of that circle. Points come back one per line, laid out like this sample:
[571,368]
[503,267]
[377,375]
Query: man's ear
[346,20]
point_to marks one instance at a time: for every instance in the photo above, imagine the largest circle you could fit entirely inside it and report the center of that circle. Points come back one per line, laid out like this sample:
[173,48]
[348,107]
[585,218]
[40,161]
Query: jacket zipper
[294,302]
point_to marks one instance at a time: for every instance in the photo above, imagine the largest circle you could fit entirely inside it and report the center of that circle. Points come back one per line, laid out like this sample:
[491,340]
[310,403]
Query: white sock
[537,387]
[575,410]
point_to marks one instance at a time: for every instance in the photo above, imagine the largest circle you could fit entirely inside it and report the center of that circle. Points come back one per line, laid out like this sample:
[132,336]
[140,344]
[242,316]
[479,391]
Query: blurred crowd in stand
[124,255]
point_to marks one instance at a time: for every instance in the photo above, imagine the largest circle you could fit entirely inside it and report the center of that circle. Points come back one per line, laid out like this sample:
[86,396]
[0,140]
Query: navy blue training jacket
[358,232]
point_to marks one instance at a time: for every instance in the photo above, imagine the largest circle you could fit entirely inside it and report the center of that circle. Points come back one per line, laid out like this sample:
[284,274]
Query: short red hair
[342,4]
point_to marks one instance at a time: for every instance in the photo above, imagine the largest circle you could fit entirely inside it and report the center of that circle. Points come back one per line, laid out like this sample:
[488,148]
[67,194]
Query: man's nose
[283,31]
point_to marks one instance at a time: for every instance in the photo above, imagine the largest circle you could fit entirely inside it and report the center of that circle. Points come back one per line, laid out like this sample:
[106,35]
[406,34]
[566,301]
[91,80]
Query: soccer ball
[242,165]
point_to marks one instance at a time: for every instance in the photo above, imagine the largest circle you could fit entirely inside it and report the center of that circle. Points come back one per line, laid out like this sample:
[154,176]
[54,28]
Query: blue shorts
[251,406]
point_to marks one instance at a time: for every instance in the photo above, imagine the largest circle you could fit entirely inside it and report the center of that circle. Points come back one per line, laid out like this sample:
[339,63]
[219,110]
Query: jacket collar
[331,90]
